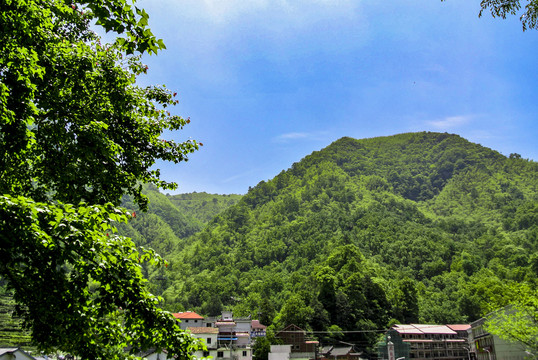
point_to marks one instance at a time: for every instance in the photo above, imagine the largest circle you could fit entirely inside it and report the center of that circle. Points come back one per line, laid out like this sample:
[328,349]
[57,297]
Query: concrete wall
[280,352]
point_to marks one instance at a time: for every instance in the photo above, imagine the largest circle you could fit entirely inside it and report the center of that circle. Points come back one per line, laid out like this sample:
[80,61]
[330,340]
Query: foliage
[11,334]
[529,17]
[76,134]
[422,227]
[261,348]
[202,205]
[72,249]
[504,8]
[518,321]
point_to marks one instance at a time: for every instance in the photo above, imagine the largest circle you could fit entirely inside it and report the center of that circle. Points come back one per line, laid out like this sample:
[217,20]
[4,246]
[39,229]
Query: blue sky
[267,82]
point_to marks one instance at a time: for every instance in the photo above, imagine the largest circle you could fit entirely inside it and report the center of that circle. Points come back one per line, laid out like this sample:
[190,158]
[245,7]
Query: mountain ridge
[414,227]
[431,208]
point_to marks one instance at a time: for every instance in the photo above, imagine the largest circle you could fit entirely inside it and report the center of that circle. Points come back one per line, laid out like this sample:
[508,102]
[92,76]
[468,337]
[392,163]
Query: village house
[226,337]
[189,319]
[300,346]
[208,334]
[257,329]
[426,342]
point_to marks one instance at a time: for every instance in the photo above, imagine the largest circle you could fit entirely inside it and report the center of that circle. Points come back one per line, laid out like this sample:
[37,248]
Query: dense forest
[417,227]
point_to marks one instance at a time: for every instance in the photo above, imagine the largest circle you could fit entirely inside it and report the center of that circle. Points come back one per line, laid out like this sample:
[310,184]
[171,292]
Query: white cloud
[218,41]
[451,122]
[224,12]
[292,136]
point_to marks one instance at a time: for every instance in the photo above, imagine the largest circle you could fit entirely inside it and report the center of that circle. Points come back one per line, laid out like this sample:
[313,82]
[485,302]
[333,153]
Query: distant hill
[412,227]
[203,206]
[170,220]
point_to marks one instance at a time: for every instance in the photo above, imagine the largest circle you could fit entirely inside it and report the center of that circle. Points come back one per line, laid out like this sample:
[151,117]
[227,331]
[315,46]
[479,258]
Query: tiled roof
[203,330]
[188,315]
[407,329]
[341,351]
[430,340]
[423,329]
[257,325]
[460,327]
[8,350]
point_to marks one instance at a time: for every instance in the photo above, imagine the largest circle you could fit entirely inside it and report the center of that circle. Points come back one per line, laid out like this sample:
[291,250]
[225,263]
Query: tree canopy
[503,8]
[518,321]
[76,134]
[418,227]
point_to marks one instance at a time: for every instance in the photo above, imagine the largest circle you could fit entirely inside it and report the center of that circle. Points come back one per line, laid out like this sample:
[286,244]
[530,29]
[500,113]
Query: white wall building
[208,334]
[280,352]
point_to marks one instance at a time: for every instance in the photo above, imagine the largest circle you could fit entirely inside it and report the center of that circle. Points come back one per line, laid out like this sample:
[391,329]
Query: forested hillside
[419,227]
[169,220]
[203,206]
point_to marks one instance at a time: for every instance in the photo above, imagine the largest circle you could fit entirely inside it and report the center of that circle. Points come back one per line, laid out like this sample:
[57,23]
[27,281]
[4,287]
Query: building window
[206,353]
[220,354]
[208,340]
[195,321]
[244,353]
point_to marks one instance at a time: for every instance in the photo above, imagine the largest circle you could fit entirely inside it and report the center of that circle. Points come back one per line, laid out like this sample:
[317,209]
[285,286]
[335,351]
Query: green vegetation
[167,223]
[502,9]
[517,322]
[421,227]
[77,134]
[203,206]
[11,333]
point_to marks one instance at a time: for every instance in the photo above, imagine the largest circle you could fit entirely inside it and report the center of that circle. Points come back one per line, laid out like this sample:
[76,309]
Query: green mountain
[414,227]
[418,227]
[169,221]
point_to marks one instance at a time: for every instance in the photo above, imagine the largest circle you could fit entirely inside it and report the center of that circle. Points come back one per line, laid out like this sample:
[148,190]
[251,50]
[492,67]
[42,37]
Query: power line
[331,332]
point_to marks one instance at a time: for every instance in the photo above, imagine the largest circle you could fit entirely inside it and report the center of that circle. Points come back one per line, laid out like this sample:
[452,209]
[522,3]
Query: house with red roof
[189,319]
[226,337]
